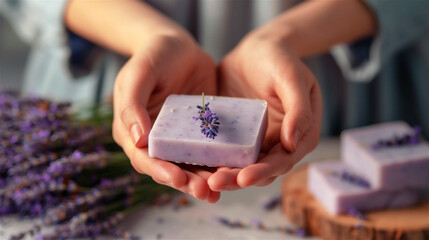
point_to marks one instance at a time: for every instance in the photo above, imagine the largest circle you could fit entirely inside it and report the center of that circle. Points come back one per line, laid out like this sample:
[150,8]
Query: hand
[166,64]
[265,67]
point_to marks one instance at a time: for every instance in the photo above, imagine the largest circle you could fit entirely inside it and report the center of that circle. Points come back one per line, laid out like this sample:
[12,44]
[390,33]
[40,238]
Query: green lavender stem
[204,106]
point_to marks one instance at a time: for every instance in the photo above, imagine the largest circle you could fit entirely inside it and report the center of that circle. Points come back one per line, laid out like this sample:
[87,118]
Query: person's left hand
[166,64]
[266,68]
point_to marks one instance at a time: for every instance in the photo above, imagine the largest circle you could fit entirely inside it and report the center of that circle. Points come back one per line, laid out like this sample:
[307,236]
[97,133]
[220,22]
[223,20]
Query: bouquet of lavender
[65,172]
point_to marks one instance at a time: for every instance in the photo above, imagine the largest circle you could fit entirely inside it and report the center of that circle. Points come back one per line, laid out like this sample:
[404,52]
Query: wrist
[279,32]
[120,25]
[170,34]
[313,27]
[273,35]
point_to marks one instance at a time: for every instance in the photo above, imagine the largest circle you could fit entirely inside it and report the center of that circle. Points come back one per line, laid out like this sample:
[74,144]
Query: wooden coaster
[305,211]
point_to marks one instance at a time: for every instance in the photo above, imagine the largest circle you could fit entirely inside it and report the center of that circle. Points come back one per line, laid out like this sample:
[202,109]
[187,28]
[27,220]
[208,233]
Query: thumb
[137,121]
[295,98]
[133,88]
[295,124]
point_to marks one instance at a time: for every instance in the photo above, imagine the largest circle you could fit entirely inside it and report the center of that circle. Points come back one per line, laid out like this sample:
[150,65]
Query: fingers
[138,124]
[167,173]
[294,125]
[317,108]
[197,185]
[213,196]
[224,179]
[266,182]
[205,173]
[276,163]
[163,171]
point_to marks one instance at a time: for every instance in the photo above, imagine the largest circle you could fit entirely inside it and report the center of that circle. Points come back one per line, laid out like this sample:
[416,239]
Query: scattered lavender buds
[413,138]
[65,172]
[272,203]
[258,224]
[209,120]
[357,214]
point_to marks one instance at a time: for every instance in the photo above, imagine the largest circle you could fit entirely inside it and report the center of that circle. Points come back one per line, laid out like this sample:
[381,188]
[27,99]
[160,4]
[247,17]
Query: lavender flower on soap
[209,121]
[410,139]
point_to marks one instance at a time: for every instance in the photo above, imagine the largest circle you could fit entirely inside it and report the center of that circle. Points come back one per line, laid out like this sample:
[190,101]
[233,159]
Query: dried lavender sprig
[76,162]
[6,206]
[70,207]
[19,154]
[69,138]
[21,181]
[41,188]
[209,121]
[32,163]
[88,230]
[120,182]
[65,166]
[50,139]
[34,129]
[140,195]
[98,213]
[91,215]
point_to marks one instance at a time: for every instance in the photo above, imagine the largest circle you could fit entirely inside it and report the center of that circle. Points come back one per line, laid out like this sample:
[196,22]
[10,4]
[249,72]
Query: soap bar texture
[393,167]
[176,136]
[338,195]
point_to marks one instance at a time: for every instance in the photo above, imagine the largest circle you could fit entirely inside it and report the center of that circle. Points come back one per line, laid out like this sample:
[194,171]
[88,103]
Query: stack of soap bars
[383,166]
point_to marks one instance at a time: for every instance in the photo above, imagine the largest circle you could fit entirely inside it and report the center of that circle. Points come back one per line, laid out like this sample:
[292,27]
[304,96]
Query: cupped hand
[265,67]
[166,64]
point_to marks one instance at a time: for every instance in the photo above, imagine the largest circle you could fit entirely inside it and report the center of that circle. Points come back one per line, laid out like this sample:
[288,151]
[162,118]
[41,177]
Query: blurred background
[13,56]
[395,92]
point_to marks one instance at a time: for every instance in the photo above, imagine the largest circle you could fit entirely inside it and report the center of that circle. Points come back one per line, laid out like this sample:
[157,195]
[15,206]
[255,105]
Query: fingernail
[296,138]
[136,133]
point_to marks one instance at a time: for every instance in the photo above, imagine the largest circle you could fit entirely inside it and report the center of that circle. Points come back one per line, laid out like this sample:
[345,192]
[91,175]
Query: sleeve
[35,21]
[400,22]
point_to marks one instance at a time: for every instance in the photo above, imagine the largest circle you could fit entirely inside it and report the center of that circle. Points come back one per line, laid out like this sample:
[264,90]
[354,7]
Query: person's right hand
[166,64]
[264,66]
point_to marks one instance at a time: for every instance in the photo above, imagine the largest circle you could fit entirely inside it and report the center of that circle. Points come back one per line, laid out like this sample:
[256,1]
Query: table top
[196,220]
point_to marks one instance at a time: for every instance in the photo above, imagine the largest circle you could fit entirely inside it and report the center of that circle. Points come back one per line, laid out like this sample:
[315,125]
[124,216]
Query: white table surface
[196,221]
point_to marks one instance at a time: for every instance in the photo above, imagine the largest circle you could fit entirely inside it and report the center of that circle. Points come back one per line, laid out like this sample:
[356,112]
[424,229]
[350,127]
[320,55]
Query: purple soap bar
[175,136]
[387,167]
[339,189]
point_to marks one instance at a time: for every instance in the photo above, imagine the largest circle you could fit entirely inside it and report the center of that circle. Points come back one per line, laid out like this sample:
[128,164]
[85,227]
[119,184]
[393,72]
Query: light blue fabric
[401,22]
[40,24]
[393,83]
[390,83]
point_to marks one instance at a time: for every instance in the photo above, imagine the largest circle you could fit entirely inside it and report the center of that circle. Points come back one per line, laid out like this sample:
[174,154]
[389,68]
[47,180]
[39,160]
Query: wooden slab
[306,212]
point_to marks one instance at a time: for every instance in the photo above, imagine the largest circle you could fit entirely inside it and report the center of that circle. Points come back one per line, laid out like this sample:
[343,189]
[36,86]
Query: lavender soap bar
[339,190]
[390,155]
[177,136]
